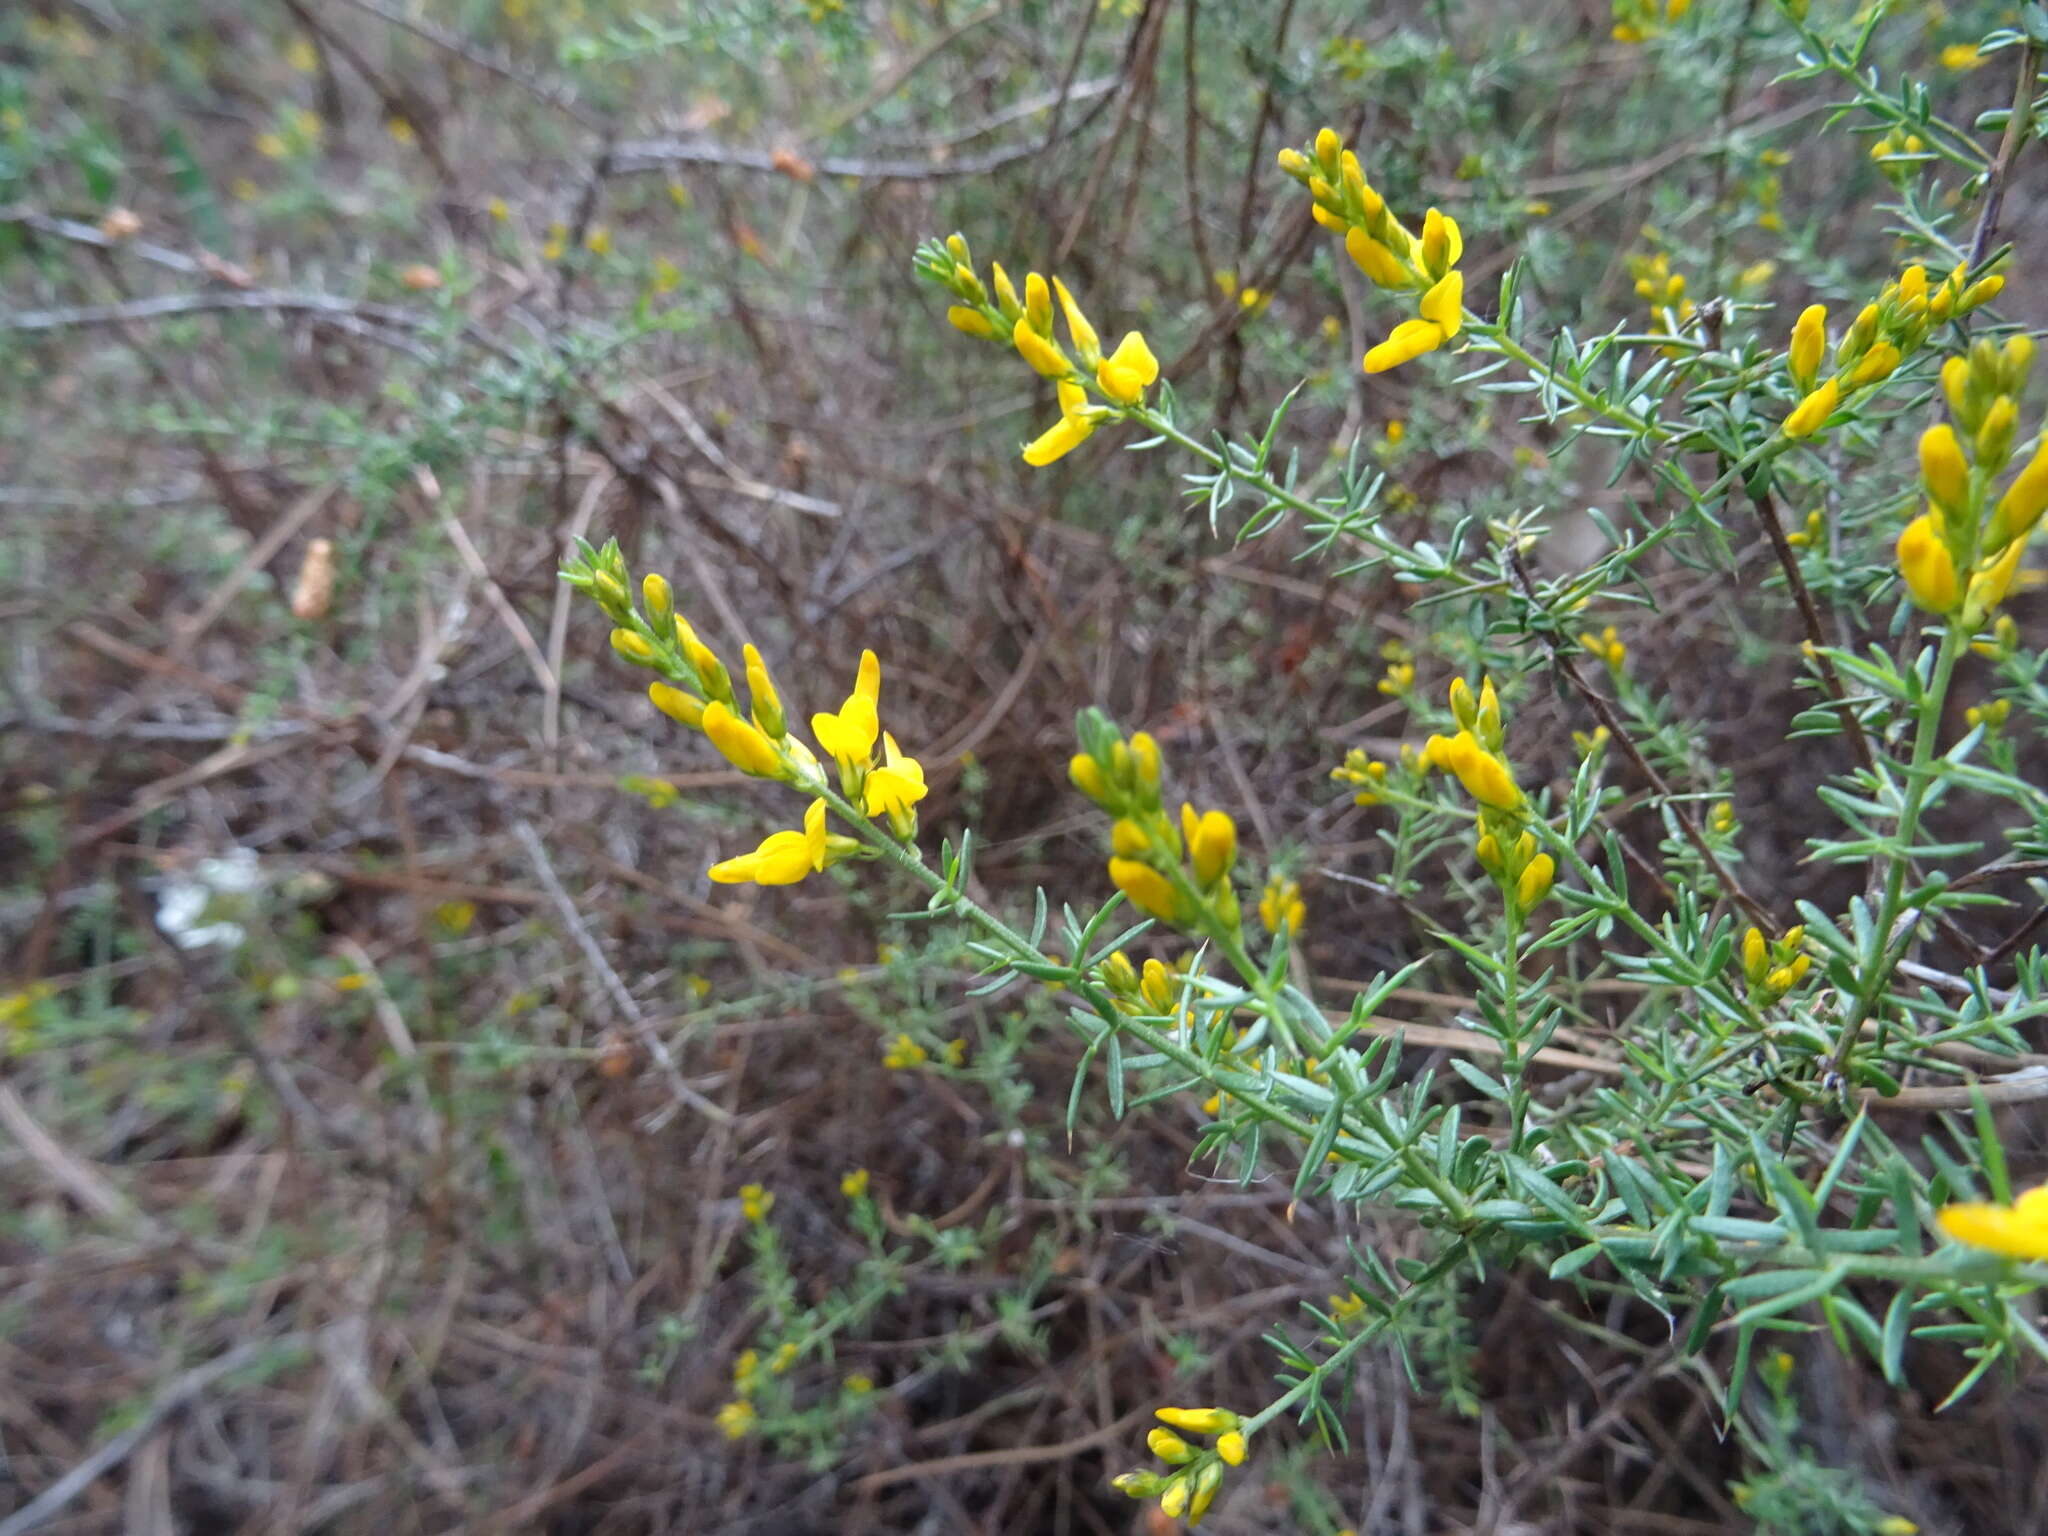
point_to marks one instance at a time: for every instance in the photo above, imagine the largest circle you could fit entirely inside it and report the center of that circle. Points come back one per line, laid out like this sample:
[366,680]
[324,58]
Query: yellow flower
[1129,371]
[741,742]
[1076,424]
[854,1183]
[1375,260]
[1168,1446]
[1442,243]
[897,785]
[1535,883]
[1812,412]
[755,1203]
[783,858]
[849,736]
[1444,305]
[902,1053]
[1086,342]
[1041,352]
[676,704]
[1961,56]
[970,321]
[1282,903]
[1809,341]
[1408,341]
[1198,1421]
[735,1419]
[2019,1230]
[1485,777]
[1149,891]
[1230,1445]
[1212,844]
[1927,566]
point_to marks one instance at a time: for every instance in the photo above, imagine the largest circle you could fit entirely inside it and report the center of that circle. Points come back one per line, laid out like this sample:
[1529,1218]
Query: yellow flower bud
[1039,351]
[1145,758]
[1485,777]
[1877,364]
[1231,1447]
[1173,1503]
[1756,959]
[1535,882]
[1198,1421]
[1006,293]
[2015,362]
[761,692]
[1086,344]
[1088,778]
[1375,260]
[1812,413]
[2023,502]
[1207,1481]
[1037,304]
[1329,151]
[1983,291]
[676,704]
[1463,709]
[660,600]
[741,743]
[1169,1447]
[1955,384]
[1943,467]
[1127,840]
[971,322]
[1213,847]
[1928,568]
[633,647]
[1995,435]
[1989,586]
[1809,341]
[1148,890]
[1295,163]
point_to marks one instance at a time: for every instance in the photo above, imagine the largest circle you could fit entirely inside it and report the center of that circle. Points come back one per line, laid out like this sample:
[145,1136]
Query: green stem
[1919,778]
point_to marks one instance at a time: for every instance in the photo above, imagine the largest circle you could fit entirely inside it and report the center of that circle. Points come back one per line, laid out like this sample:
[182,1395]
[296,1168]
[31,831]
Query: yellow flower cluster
[1959,556]
[1670,309]
[1637,21]
[755,1203]
[1882,336]
[994,312]
[736,1419]
[1280,905]
[2019,1230]
[1190,1488]
[1385,251]
[1477,755]
[696,690]
[1156,991]
[1363,774]
[1180,873]
[1773,967]
[1608,647]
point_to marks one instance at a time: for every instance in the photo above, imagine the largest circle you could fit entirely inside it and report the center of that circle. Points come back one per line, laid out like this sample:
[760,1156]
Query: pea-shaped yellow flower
[743,743]
[1129,371]
[1927,566]
[783,857]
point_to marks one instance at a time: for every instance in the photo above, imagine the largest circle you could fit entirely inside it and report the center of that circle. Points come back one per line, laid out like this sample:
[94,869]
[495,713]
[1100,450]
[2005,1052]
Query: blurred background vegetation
[400,1134]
